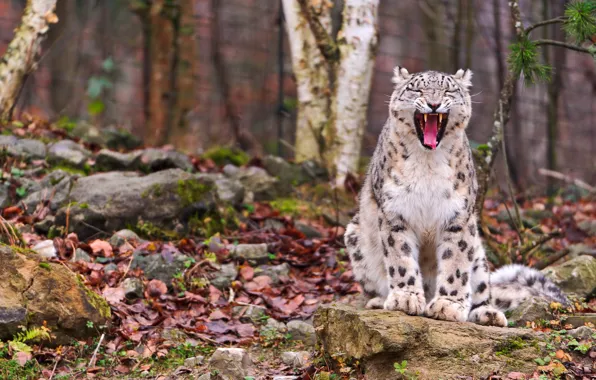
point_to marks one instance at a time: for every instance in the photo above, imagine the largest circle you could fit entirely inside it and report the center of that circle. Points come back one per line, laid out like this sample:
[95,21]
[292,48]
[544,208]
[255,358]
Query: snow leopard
[414,243]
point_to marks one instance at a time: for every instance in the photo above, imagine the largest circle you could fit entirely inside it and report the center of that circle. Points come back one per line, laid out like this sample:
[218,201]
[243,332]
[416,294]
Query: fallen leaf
[155,289]
[101,248]
[113,295]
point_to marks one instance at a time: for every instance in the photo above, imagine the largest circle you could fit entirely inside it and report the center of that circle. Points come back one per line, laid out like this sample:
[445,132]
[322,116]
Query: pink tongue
[430,131]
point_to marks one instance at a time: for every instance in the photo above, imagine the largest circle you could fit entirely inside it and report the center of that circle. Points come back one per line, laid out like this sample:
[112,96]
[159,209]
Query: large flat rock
[433,349]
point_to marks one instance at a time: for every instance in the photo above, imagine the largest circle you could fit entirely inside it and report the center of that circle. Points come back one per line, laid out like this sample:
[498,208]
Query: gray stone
[314,170]
[531,310]
[289,175]
[286,378]
[588,226]
[124,236]
[581,319]
[231,363]
[273,325]
[133,287]
[114,200]
[194,361]
[81,255]
[55,187]
[4,196]
[117,138]
[44,226]
[295,359]
[153,160]
[274,271]
[229,190]
[159,267]
[30,148]
[68,152]
[308,231]
[251,252]
[110,268]
[45,249]
[7,141]
[433,349]
[303,331]
[258,185]
[582,333]
[89,133]
[274,225]
[250,313]
[576,276]
[225,276]
[205,376]
[231,170]
[109,160]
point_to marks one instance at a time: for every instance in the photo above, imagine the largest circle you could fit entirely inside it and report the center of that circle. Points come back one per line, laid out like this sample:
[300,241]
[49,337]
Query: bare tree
[334,77]
[22,52]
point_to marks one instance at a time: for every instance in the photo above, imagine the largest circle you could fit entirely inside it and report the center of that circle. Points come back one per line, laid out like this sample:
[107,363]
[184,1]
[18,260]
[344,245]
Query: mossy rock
[34,292]
[433,349]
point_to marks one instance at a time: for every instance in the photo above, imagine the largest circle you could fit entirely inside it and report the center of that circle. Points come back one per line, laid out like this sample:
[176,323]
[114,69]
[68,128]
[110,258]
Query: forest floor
[163,334]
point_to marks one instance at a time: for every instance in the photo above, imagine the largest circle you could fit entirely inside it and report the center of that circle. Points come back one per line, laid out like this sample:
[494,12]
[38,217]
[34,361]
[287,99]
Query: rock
[159,267]
[258,185]
[286,378]
[433,349]
[582,333]
[110,268]
[581,319]
[32,295]
[107,160]
[295,359]
[44,226]
[32,149]
[250,313]
[229,190]
[124,236]
[5,200]
[55,187]
[530,310]
[308,231]
[88,133]
[225,276]
[314,171]
[576,276]
[289,175]
[252,252]
[303,331]
[588,226]
[274,271]
[152,160]
[69,153]
[205,376]
[114,200]
[231,363]
[81,255]
[118,138]
[273,326]
[274,225]
[45,249]
[194,361]
[7,141]
[133,288]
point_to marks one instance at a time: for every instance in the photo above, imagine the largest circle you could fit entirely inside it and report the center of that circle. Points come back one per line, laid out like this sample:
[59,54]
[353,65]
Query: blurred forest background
[236,86]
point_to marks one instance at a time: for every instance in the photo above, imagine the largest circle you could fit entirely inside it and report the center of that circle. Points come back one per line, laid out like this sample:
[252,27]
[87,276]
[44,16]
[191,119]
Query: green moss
[213,223]
[506,347]
[227,155]
[98,302]
[45,265]
[155,190]
[12,370]
[192,190]
[69,169]
[151,231]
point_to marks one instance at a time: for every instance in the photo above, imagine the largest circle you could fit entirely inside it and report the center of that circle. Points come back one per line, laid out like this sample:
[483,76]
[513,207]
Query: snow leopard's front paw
[489,316]
[447,310]
[410,302]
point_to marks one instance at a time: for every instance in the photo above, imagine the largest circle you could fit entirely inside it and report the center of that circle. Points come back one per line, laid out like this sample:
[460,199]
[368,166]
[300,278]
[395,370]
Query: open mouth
[430,128]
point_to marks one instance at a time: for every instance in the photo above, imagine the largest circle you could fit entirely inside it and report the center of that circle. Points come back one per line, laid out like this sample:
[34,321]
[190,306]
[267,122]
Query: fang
[440,118]
[425,116]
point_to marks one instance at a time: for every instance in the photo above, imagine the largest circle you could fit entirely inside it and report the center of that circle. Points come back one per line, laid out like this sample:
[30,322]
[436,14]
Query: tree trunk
[359,36]
[312,78]
[21,54]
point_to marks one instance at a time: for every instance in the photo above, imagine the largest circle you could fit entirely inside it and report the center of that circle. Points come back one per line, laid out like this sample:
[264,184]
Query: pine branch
[555,20]
[562,44]
[325,42]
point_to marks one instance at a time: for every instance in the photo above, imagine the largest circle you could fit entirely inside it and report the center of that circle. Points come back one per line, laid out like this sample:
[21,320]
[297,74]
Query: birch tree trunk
[22,52]
[359,39]
[312,78]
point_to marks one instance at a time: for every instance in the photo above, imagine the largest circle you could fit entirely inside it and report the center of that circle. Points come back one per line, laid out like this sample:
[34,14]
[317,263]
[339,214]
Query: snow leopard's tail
[513,284]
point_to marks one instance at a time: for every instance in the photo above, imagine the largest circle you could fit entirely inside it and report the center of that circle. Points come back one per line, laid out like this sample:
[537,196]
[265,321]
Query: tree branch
[325,42]
[555,20]
[562,44]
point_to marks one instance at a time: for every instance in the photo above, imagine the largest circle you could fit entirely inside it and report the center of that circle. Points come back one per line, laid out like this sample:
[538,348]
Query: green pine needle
[524,62]
[581,20]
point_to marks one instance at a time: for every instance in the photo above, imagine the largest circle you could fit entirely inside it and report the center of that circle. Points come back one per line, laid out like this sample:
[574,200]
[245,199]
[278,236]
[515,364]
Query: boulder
[55,187]
[25,148]
[433,349]
[224,277]
[251,252]
[230,363]
[258,185]
[32,293]
[133,288]
[160,267]
[69,153]
[295,359]
[276,272]
[124,236]
[576,276]
[152,160]
[302,331]
[112,201]
[532,309]
[109,160]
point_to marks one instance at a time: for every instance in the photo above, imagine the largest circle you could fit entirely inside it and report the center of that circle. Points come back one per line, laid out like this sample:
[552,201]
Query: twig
[537,243]
[551,259]
[93,358]
[563,177]
[555,20]
[562,44]
[250,304]
[54,369]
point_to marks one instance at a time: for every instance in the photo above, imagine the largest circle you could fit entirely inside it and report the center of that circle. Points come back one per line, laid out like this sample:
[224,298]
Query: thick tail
[513,284]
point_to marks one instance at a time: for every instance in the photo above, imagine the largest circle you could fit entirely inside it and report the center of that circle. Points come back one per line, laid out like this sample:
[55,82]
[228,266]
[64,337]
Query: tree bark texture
[22,52]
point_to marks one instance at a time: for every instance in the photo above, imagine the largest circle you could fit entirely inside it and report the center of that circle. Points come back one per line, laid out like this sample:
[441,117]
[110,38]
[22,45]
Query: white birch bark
[312,79]
[22,52]
[359,39]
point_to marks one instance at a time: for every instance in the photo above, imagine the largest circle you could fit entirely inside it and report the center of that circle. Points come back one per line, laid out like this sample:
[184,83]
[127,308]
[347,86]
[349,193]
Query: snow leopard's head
[431,104]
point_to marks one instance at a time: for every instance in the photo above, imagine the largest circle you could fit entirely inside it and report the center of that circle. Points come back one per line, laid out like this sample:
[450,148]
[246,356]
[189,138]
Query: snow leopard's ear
[464,77]
[400,75]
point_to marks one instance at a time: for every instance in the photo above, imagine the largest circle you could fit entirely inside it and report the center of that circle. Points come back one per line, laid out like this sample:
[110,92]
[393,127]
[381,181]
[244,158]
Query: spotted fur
[414,244]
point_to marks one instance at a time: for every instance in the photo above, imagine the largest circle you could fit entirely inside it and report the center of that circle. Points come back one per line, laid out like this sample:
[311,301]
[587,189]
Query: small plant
[401,368]
[98,85]
[34,334]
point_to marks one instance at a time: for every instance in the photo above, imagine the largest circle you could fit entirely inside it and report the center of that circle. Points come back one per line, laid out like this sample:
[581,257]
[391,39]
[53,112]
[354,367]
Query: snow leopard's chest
[424,195]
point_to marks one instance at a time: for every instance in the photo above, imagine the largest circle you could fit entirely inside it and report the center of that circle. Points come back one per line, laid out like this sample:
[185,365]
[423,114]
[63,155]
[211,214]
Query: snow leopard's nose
[434,107]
